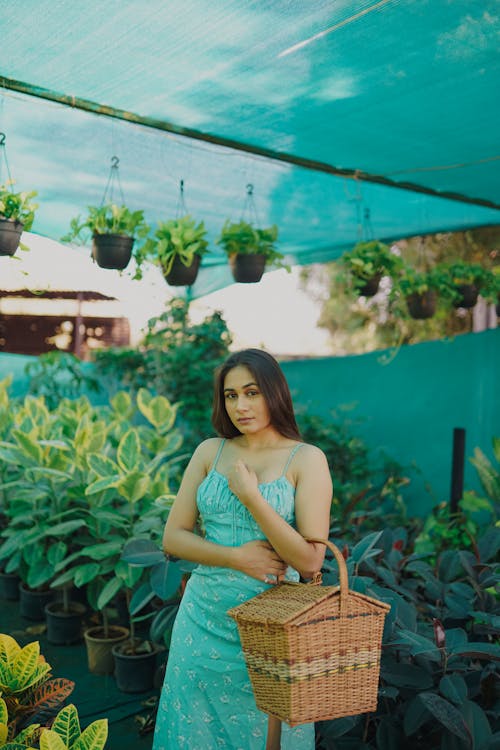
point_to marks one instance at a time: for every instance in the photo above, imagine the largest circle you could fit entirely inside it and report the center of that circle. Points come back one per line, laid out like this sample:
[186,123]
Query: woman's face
[245,405]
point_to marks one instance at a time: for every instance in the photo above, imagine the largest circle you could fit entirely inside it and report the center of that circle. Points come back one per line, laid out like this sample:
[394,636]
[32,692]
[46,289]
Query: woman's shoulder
[207,450]
[310,454]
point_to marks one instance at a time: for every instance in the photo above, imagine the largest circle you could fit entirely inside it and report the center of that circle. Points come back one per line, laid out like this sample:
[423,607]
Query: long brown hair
[272,384]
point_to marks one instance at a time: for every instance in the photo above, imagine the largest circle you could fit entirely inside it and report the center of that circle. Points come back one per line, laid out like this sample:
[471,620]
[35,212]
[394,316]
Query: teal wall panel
[409,407]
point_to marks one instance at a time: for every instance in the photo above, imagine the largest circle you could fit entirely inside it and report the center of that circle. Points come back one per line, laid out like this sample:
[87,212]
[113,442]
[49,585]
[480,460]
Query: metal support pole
[457,468]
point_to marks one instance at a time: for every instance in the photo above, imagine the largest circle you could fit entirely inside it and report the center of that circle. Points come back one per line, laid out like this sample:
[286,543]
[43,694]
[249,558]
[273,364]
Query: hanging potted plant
[113,229]
[422,289]
[250,250]
[177,247]
[17,213]
[367,262]
[468,280]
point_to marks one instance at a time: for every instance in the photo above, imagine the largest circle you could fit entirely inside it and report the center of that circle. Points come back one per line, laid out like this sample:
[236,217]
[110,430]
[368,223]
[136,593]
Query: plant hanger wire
[113,183]
[181,209]
[249,210]
[3,159]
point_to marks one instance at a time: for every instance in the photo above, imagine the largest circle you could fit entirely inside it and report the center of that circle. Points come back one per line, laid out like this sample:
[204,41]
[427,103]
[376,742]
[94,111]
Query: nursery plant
[367,262]
[29,693]
[17,213]
[113,230]
[440,657]
[252,247]
[177,247]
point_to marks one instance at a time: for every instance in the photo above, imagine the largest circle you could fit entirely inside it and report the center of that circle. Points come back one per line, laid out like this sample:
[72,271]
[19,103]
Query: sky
[274,314]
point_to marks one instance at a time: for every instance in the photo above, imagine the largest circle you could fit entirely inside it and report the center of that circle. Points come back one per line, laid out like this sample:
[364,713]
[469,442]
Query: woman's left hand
[243,482]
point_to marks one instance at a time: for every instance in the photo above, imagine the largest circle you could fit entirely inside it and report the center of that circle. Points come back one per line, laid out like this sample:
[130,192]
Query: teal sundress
[207,701]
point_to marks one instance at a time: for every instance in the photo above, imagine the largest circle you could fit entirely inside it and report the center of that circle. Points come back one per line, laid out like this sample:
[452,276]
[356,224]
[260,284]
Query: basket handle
[343,577]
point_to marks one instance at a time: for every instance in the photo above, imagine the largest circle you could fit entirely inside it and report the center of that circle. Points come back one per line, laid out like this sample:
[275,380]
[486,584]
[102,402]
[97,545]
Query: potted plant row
[78,483]
[17,213]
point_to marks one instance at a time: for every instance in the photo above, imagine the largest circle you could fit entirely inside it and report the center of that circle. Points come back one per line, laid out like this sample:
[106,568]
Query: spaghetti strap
[291,455]
[217,455]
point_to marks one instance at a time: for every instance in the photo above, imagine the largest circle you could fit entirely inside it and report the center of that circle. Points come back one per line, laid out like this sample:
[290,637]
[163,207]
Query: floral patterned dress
[207,701]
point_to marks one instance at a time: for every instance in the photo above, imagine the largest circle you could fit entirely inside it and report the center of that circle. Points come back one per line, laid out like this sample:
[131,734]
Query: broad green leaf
[29,446]
[128,454]
[66,527]
[447,714]
[110,590]
[477,721]
[478,650]
[103,550]
[122,404]
[67,724]
[134,486]
[364,546]
[50,740]
[102,484]
[93,737]
[406,676]
[454,688]
[165,579]
[102,465]
[142,552]
[140,598]
[86,573]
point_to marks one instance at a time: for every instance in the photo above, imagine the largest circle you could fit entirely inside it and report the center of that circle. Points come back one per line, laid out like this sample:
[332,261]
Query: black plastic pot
[64,628]
[32,603]
[247,269]
[134,673]
[422,306]
[9,586]
[112,251]
[468,295]
[10,235]
[370,287]
[181,275]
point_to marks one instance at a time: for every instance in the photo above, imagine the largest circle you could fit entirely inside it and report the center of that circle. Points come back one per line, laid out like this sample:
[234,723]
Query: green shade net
[337,102]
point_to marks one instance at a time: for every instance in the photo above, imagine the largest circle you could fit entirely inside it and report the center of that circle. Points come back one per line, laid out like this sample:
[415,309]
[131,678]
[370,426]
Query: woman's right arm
[256,558]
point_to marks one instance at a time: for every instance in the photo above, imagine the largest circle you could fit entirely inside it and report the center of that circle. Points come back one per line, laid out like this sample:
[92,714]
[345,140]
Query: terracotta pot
[247,269]
[112,250]
[99,654]
[181,275]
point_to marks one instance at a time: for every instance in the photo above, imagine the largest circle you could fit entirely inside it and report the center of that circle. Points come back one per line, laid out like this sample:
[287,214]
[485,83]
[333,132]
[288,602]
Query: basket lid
[289,601]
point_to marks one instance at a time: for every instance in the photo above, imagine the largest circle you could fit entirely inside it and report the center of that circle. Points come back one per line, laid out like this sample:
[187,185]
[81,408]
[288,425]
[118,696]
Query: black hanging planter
[64,626]
[10,235]
[134,673]
[247,269]
[423,305]
[370,287]
[32,603]
[468,295]
[181,275]
[112,251]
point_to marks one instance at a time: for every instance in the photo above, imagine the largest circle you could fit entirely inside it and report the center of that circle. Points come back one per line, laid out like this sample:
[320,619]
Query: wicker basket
[312,652]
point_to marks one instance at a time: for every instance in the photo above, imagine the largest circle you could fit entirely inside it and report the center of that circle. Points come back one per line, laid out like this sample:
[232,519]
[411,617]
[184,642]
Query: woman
[257,492]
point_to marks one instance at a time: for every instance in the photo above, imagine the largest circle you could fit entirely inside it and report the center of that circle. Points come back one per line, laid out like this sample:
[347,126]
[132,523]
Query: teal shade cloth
[398,91]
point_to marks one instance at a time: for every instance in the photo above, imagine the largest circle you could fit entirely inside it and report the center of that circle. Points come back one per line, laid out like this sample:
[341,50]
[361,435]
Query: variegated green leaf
[50,740]
[93,737]
[67,725]
[134,486]
[9,648]
[102,465]
[128,454]
[102,484]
